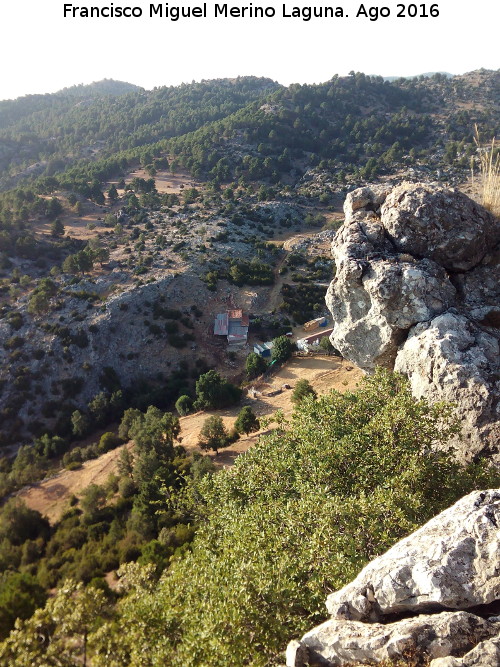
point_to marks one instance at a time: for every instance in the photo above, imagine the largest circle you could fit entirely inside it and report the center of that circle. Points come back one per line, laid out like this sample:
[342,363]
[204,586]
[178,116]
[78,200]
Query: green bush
[299,515]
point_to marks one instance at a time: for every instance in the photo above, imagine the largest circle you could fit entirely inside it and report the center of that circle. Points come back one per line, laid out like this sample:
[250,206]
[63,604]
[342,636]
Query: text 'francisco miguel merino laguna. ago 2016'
[226,11]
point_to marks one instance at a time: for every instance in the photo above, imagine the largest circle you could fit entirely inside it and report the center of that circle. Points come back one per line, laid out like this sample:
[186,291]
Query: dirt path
[51,497]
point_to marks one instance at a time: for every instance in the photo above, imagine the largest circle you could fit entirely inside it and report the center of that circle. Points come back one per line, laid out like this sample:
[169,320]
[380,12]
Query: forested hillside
[128,220]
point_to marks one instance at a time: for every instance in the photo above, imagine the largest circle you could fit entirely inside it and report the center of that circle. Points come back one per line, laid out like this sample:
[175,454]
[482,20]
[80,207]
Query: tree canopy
[299,515]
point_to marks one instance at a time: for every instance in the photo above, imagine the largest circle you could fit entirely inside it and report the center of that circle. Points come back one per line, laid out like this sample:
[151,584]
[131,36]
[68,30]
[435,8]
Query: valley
[161,255]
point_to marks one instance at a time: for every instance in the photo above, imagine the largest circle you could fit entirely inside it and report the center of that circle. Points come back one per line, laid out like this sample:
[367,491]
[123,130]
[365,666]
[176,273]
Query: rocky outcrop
[417,289]
[435,594]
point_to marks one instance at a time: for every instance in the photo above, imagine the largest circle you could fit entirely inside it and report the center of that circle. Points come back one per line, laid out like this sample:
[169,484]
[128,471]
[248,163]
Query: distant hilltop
[104,87]
[416,76]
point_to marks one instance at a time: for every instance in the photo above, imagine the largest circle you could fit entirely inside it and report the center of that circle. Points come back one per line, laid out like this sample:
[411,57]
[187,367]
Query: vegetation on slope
[296,518]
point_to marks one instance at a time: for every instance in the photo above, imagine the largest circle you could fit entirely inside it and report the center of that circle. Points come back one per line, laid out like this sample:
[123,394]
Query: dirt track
[51,496]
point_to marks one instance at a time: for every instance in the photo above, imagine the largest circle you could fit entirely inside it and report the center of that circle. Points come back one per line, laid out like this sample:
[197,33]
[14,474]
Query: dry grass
[489,174]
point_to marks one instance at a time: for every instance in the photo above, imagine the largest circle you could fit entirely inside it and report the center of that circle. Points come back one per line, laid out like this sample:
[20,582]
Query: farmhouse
[313,339]
[234,325]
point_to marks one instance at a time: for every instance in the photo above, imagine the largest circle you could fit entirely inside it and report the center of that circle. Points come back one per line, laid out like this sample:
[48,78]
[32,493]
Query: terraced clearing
[51,497]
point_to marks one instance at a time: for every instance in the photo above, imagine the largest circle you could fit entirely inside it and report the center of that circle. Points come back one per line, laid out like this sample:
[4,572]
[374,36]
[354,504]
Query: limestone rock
[346,642]
[450,563]
[433,596]
[485,654]
[440,224]
[417,288]
[453,359]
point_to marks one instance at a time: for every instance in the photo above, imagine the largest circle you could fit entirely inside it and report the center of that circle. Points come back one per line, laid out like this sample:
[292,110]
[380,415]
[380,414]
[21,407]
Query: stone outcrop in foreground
[417,290]
[434,595]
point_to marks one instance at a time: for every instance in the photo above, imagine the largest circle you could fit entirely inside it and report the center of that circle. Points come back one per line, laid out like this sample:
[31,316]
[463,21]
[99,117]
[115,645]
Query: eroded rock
[351,642]
[417,288]
[433,596]
[450,563]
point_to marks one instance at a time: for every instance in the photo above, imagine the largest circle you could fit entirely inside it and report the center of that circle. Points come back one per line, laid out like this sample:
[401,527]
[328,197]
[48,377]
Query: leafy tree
[129,417]
[80,424]
[255,365]
[39,303]
[214,391]
[70,264]
[93,498]
[57,228]
[282,349]
[99,408]
[155,431]
[380,477]
[125,462]
[50,446]
[19,523]
[326,345]
[184,405]
[213,434]
[302,389]
[246,422]
[56,634]
[20,595]
[113,193]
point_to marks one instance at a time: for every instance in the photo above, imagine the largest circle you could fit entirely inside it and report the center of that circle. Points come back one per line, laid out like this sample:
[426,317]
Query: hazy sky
[41,51]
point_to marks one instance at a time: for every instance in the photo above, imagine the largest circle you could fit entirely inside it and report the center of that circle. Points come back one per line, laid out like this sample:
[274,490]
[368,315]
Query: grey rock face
[439,582]
[453,359]
[443,225]
[450,563]
[485,654]
[417,288]
[347,642]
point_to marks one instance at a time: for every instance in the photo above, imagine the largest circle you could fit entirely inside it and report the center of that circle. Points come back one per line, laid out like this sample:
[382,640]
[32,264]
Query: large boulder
[351,642]
[443,225]
[417,288]
[450,563]
[433,595]
[453,359]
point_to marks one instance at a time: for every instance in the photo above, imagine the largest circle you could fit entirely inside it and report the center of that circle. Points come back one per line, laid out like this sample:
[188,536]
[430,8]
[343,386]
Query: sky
[42,51]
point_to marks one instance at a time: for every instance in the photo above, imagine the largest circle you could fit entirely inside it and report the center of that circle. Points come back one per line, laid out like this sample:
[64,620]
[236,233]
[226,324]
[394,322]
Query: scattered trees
[213,434]
[302,389]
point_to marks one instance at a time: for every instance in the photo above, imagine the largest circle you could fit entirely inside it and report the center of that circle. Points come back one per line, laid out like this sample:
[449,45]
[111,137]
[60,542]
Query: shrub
[255,365]
[359,470]
[184,405]
[302,389]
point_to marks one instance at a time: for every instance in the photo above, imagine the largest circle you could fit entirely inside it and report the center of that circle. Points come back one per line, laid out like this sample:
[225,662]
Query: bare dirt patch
[323,372]
[166,182]
[78,226]
[51,496]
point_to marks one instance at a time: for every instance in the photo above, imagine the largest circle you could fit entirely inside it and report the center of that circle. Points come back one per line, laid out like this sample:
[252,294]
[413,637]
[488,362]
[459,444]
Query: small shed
[263,349]
[313,340]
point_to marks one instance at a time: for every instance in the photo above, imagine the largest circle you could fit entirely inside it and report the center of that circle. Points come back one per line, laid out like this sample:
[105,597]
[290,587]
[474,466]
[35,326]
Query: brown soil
[166,182]
[323,372]
[51,497]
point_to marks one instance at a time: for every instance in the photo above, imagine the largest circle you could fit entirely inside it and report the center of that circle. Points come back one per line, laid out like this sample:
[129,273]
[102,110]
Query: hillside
[129,220]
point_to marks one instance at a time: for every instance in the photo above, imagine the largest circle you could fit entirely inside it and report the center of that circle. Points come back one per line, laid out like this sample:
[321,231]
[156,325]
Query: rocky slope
[434,596]
[417,289]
